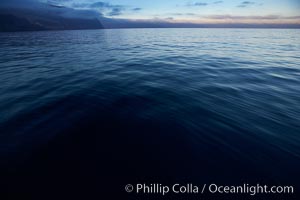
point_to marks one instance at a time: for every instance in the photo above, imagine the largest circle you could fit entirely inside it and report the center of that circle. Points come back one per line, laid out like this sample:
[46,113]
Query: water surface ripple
[199,105]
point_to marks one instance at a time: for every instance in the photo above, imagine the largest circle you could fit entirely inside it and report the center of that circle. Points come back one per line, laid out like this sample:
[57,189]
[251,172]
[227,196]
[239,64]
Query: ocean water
[84,113]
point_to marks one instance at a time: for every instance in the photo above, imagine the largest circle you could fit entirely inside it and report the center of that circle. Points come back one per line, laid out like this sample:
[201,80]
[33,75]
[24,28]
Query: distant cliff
[9,22]
[46,17]
[12,23]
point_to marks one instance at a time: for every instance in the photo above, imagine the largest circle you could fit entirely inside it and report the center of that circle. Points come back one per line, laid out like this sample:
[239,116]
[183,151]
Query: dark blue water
[86,112]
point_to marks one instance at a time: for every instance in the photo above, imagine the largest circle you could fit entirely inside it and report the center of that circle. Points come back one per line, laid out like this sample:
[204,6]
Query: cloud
[104,7]
[101,4]
[182,14]
[169,18]
[197,4]
[18,3]
[115,12]
[80,5]
[57,1]
[96,5]
[200,4]
[136,9]
[255,17]
[203,3]
[246,4]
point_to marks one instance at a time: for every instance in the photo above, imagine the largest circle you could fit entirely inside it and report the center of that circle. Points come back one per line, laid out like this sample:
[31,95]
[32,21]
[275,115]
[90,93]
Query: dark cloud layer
[29,15]
[51,8]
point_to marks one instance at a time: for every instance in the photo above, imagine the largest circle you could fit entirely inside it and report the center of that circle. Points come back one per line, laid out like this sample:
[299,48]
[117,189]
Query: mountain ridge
[46,17]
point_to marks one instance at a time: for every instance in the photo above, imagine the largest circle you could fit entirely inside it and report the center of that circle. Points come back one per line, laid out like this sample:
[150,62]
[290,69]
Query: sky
[198,11]
[186,11]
